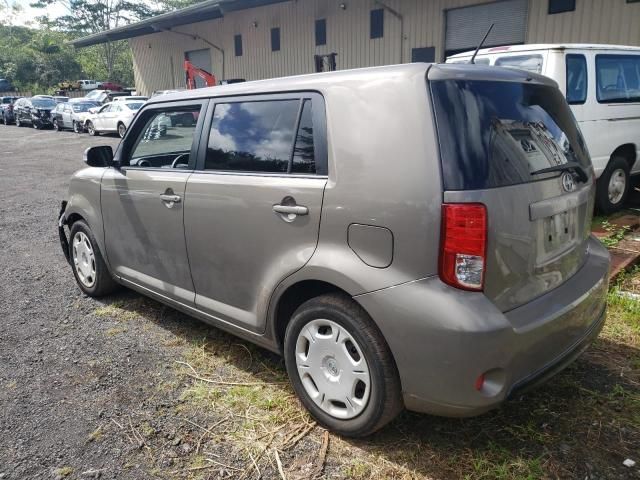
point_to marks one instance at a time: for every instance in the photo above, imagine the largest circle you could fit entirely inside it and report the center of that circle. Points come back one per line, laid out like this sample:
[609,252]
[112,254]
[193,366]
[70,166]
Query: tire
[612,188]
[91,129]
[34,124]
[18,122]
[77,128]
[369,407]
[4,120]
[121,130]
[87,263]
[56,127]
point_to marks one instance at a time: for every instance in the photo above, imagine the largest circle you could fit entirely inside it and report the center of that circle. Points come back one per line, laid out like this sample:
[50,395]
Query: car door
[99,120]
[143,200]
[66,115]
[253,205]
[111,118]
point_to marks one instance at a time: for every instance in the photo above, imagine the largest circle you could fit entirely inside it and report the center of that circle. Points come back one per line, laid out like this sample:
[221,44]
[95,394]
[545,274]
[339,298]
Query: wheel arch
[626,151]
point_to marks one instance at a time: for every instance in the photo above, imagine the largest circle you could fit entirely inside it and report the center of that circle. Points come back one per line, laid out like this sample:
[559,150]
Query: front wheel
[34,124]
[87,263]
[341,367]
[4,120]
[77,128]
[613,186]
[121,130]
[92,129]
[18,122]
[56,126]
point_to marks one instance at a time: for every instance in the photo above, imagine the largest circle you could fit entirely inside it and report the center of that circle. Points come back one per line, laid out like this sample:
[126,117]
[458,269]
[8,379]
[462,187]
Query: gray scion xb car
[408,236]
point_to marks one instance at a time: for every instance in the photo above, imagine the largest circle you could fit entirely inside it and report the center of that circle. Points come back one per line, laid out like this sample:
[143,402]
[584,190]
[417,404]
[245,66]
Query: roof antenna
[473,58]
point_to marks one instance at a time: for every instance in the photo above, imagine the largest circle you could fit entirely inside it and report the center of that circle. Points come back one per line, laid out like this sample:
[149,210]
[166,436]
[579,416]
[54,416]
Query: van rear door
[509,141]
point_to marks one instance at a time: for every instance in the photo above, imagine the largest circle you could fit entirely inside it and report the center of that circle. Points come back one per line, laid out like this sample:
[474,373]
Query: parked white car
[88,84]
[113,117]
[602,85]
[131,98]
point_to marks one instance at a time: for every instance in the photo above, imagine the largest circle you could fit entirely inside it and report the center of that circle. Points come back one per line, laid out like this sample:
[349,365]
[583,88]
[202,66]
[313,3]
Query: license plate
[560,231]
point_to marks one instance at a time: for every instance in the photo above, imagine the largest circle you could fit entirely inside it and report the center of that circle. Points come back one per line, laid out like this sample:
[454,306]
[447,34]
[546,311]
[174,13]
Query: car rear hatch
[510,144]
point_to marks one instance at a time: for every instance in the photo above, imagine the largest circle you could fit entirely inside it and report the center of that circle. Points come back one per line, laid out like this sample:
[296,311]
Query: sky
[27,14]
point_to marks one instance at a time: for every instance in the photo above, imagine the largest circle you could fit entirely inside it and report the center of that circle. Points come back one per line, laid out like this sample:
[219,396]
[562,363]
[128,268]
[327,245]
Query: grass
[583,423]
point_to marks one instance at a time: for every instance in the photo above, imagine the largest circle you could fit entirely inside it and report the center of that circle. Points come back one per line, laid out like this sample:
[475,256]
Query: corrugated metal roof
[207,10]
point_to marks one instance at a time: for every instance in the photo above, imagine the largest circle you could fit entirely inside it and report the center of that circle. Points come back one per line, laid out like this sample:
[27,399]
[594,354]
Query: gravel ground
[60,377]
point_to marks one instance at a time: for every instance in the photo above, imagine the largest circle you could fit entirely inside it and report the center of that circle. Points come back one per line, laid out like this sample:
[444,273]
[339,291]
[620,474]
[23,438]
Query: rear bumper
[443,339]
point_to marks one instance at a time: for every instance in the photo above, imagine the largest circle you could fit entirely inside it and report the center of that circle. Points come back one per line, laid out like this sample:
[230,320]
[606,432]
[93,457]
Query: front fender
[84,202]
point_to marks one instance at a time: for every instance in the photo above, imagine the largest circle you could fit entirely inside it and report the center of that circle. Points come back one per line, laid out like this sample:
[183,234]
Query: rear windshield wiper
[575,166]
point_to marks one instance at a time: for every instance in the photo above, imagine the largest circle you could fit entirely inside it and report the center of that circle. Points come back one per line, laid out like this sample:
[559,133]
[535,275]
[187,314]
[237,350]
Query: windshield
[43,103]
[82,107]
[134,105]
[494,134]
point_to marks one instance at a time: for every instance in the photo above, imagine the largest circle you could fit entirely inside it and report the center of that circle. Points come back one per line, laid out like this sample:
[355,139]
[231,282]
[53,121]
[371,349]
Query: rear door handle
[170,198]
[291,209]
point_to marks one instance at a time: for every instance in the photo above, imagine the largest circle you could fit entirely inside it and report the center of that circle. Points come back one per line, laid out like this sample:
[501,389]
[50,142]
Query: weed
[616,234]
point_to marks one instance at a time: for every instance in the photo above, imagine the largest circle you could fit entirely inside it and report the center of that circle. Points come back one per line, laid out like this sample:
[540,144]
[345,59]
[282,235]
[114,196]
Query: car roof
[322,82]
[546,46]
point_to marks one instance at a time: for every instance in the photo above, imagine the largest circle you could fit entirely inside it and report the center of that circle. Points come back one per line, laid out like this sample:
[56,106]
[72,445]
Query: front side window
[252,136]
[576,79]
[530,63]
[618,78]
[166,138]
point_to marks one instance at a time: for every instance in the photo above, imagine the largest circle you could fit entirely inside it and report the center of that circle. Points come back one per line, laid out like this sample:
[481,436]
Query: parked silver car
[408,236]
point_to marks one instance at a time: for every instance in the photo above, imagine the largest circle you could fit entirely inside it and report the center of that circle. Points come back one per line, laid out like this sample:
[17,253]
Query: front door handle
[170,198]
[291,209]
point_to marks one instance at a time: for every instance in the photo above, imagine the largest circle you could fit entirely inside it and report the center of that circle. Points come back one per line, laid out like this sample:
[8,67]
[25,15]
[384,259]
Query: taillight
[463,245]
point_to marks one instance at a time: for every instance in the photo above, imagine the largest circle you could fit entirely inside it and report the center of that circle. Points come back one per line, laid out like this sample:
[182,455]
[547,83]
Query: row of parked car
[80,115]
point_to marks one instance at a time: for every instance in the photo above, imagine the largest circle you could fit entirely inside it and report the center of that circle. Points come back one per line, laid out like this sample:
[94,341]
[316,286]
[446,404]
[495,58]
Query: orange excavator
[192,72]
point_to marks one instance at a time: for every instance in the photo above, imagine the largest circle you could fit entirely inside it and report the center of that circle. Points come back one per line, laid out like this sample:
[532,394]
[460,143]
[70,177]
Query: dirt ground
[126,388]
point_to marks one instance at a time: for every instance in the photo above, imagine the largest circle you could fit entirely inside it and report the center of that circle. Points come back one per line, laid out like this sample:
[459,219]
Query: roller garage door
[200,59]
[466,26]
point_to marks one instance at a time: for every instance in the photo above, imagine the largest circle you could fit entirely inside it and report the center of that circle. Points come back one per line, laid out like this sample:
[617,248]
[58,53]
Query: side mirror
[101,156]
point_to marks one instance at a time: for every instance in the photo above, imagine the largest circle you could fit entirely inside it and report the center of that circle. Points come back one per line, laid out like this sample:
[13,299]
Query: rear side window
[274,136]
[576,79]
[618,78]
[530,63]
[494,134]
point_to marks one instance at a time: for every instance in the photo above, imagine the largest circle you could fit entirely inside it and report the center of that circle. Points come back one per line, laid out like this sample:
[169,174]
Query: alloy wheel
[84,259]
[333,369]
[121,130]
[617,185]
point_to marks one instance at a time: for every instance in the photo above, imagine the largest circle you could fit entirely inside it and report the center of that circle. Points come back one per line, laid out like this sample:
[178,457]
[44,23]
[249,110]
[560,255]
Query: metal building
[254,39]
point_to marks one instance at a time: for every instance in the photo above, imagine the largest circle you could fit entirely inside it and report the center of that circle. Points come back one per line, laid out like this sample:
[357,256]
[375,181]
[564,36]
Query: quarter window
[576,79]
[618,78]
[165,139]
[303,150]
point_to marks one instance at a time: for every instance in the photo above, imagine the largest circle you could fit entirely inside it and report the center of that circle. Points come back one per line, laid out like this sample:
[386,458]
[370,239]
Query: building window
[633,1]
[560,6]
[321,32]
[424,54]
[377,23]
[237,44]
[275,39]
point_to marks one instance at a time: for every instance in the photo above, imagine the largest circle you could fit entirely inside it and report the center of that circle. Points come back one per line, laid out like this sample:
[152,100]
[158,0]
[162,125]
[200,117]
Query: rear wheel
[613,186]
[341,367]
[87,263]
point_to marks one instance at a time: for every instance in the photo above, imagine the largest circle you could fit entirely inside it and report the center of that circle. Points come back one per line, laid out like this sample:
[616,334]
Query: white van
[602,85]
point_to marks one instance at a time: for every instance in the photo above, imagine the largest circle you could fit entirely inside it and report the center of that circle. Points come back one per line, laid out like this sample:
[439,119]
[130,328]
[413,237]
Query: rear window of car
[530,63]
[134,105]
[493,134]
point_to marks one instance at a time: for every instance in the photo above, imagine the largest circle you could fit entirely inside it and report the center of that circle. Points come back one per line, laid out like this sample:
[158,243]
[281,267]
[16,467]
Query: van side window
[303,151]
[252,136]
[618,78]
[530,63]
[576,79]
